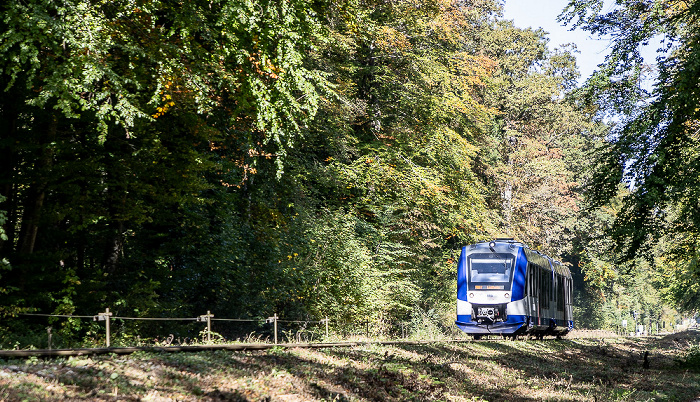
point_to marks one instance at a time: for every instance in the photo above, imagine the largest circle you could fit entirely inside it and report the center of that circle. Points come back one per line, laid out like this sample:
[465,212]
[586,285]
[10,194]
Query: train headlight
[471,295]
[507,295]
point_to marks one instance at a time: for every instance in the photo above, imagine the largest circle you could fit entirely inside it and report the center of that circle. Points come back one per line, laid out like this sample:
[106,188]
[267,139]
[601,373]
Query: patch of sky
[590,50]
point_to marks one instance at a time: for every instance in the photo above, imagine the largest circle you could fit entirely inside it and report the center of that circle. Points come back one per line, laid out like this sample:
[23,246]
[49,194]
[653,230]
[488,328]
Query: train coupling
[489,313]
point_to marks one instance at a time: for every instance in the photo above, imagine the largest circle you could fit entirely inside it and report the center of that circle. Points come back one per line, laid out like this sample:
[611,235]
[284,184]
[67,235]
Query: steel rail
[200,348]
[236,347]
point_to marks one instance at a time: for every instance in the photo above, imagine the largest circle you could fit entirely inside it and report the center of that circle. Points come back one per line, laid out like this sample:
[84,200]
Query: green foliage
[677,260]
[120,63]
[691,358]
[303,158]
[4,263]
[654,148]
[535,154]
[6,309]
[123,112]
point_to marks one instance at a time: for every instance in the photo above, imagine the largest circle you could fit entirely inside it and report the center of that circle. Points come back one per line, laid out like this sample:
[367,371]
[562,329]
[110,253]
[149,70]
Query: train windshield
[490,271]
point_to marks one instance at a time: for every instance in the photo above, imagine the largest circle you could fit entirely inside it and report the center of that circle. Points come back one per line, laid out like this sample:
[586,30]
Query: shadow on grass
[492,370]
[601,371]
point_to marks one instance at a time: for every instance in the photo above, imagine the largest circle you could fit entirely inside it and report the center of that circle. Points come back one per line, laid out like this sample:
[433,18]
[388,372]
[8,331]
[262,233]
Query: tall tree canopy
[309,158]
[114,114]
[654,146]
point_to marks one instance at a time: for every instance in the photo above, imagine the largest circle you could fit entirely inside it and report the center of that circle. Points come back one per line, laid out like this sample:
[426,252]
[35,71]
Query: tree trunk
[34,200]
[116,169]
[8,163]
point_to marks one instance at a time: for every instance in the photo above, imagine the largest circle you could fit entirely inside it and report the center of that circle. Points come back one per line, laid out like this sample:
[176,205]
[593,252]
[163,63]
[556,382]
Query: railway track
[199,348]
[48,353]
[40,353]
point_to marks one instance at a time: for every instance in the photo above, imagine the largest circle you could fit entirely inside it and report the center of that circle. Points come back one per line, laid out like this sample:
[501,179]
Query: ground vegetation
[607,369]
[304,158]
[653,145]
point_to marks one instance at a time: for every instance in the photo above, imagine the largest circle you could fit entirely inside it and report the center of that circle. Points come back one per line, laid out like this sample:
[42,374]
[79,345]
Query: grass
[568,370]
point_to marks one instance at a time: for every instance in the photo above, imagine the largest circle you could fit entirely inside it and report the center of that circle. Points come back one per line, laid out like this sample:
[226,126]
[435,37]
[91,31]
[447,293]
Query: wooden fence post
[273,320]
[104,317]
[207,318]
[48,330]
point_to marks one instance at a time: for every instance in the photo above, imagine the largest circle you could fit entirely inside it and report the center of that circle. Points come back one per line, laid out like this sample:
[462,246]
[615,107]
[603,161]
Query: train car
[505,288]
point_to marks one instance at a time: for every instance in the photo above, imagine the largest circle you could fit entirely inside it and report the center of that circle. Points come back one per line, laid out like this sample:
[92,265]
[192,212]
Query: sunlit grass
[568,370]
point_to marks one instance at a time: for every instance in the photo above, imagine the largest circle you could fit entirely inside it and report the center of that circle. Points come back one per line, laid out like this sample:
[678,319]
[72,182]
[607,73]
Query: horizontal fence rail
[107,317]
[358,330]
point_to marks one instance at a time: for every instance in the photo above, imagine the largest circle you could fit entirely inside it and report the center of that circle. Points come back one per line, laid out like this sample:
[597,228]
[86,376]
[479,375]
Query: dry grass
[586,369]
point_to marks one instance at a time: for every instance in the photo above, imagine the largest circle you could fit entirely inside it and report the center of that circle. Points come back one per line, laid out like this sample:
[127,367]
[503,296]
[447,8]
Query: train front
[491,287]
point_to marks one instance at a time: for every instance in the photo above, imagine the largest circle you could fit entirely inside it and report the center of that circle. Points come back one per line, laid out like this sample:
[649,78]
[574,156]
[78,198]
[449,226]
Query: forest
[329,158]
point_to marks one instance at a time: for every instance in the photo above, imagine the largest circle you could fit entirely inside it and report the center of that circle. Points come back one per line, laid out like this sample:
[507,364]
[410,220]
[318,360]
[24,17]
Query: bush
[691,359]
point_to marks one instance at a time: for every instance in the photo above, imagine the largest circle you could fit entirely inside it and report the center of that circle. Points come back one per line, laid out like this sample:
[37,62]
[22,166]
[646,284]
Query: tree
[396,150]
[540,132]
[114,117]
[654,148]
[300,158]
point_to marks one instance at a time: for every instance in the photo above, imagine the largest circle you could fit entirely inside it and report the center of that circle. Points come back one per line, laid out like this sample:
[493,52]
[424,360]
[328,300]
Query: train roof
[532,256]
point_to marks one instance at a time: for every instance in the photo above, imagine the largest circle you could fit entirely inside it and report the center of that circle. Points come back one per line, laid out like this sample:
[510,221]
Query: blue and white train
[505,288]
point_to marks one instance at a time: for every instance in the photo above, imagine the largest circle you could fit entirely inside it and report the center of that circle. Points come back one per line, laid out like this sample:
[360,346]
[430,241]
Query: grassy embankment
[567,370]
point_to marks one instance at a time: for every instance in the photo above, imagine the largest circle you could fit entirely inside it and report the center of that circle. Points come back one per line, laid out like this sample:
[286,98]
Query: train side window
[536,281]
[548,286]
[544,288]
[550,282]
[571,291]
[554,290]
[541,285]
[545,278]
[561,293]
[527,280]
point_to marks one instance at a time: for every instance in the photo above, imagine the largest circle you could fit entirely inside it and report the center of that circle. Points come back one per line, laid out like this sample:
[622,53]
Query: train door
[544,283]
[561,297]
[531,291]
[547,303]
[536,272]
[544,295]
[569,300]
